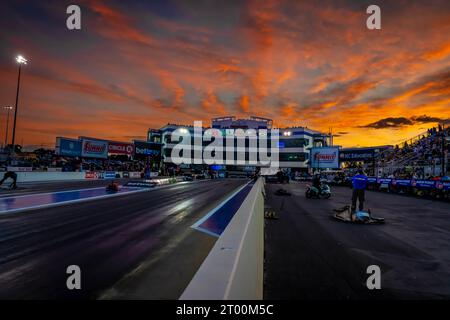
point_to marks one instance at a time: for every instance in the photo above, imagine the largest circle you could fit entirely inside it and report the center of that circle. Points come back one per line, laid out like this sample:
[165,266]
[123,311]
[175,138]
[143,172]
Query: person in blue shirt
[359,182]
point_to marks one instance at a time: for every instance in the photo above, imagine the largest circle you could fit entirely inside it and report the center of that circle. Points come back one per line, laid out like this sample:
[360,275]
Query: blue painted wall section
[215,222]
[44,199]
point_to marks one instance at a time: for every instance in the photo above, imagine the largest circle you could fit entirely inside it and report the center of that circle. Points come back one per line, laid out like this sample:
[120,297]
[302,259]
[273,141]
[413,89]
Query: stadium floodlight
[20,59]
[183,130]
[287,133]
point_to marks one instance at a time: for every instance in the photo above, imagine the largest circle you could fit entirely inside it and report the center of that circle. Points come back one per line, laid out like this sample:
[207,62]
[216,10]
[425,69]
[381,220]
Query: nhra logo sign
[94,149]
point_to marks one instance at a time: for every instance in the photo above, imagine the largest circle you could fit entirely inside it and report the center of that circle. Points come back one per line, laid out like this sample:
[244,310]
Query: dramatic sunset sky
[141,64]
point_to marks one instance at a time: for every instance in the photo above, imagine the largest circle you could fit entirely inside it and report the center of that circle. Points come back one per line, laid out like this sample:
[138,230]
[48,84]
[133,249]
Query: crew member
[280,176]
[316,182]
[13,176]
[359,182]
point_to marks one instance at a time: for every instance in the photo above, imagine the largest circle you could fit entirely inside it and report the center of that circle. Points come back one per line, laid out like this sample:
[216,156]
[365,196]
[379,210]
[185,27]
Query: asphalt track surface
[41,187]
[136,246]
[308,255]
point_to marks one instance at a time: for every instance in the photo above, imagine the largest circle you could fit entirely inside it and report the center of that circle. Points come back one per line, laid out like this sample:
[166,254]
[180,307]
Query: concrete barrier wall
[48,176]
[233,270]
[41,176]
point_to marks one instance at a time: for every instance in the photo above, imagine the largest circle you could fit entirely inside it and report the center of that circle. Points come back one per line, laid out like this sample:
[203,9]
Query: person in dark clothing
[359,182]
[316,182]
[280,176]
[13,176]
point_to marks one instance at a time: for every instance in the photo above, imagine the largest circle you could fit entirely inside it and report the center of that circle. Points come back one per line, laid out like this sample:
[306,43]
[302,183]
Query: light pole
[443,139]
[9,108]
[20,60]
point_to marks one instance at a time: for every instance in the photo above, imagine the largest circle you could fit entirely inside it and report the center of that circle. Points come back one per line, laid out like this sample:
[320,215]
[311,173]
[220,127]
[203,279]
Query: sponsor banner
[424,183]
[356,155]
[401,182]
[120,148]
[90,175]
[144,148]
[92,148]
[325,158]
[109,175]
[125,174]
[54,169]
[68,147]
[135,175]
[428,184]
[20,169]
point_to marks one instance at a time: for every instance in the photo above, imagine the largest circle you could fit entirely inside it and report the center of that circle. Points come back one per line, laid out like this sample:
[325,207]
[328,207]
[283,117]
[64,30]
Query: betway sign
[120,148]
[143,148]
[92,148]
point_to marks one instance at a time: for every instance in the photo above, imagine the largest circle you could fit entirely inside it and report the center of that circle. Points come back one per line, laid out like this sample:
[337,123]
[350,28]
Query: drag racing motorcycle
[313,192]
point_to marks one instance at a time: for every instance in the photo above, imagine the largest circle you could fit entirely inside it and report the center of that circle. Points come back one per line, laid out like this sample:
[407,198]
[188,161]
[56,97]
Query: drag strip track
[135,246]
[54,186]
[14,204]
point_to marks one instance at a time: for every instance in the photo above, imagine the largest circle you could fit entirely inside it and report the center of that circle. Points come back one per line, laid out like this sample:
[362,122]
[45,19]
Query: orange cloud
[244,104]
[298,62]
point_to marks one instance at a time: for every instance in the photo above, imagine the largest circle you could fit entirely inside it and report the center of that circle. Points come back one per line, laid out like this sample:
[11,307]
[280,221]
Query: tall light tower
[21,61]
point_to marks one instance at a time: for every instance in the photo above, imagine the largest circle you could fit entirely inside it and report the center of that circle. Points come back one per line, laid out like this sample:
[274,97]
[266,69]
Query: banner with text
[325,158]
[92,148]
[120,148]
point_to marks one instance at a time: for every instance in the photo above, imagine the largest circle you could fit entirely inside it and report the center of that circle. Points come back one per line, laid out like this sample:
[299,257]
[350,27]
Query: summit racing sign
[92,148]
[325,158]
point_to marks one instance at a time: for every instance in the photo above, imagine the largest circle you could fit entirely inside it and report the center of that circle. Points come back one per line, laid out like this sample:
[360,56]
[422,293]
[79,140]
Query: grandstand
[424,156]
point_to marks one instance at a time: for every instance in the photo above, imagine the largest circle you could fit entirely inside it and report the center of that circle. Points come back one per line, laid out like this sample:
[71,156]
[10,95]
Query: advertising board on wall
[356,155]
[109,175]
[144,148]
[134,175]
[20,169]
[90,175]
[68,147]
[115,147]
[92,148]
[324,158]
